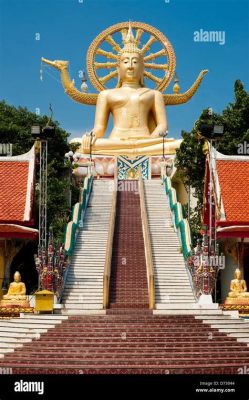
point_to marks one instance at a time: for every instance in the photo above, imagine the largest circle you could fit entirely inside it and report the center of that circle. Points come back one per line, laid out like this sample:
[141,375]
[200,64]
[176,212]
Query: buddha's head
[130,62]
[17,277]
[237,273]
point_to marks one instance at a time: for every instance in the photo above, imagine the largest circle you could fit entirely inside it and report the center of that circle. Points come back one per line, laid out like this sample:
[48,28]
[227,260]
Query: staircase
[84,285]
[134,342]
[128,283]
[15,332]
[180,337]
[172,285]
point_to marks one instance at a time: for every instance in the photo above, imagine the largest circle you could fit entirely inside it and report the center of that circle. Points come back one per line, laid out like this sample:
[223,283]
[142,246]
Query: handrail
[147,245]
[108,254]
[78,211]
[181,223]
[72,228]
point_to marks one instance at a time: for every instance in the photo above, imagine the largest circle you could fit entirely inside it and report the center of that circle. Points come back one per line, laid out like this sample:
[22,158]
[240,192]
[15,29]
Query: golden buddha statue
[16,295]
[139,118]
[134,109]
[238,290]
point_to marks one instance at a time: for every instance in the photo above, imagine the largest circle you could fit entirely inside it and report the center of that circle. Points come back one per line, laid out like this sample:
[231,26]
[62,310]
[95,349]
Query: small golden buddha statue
[16,295]
[238,290]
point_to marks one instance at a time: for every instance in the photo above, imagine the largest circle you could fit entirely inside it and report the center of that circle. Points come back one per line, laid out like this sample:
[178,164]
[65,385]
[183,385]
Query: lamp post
[216,134]
[212,132]
[163,135]
[164,167]
[41,135]
[91,135]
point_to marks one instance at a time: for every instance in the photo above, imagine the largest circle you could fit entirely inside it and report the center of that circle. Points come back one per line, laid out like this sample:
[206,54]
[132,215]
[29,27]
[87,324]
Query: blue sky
[67,27]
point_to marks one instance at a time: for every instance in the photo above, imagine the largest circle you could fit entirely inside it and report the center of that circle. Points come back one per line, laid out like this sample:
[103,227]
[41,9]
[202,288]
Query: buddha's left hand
[87,141]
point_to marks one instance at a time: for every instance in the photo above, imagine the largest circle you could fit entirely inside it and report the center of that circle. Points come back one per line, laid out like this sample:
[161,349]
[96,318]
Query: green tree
[15,128]
[236,122]
[190,159]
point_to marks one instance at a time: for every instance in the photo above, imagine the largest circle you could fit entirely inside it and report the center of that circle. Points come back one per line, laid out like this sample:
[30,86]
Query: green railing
[77,215]
[180,222]
[72,228]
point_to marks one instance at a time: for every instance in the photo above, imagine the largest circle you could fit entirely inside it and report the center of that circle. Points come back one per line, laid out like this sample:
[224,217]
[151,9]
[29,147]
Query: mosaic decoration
[132,168]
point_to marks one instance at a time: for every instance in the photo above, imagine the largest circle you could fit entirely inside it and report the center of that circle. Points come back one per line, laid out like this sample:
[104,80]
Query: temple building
[17,180]
[230,216]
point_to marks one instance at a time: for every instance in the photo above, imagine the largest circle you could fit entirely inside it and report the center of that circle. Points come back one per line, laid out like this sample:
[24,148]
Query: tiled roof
[16,188]
[10,230]
[233,178]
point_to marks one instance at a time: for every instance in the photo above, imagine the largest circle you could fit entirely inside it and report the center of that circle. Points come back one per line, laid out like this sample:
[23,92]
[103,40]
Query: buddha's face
[237,273]
[131,68]
[17,277]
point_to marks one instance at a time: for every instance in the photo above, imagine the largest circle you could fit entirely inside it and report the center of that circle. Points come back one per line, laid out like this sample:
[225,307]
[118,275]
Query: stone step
[20,324]
[82,298]
[243,340]
[92,234]
[209,319]
[175,291]
[231,324]
[86,273]
[89,312]
[239,335]
[18,335]
[7,339]
[75,290]
[225,319]
[164,282]
[183,311]
[5,351]
[86,268]
[177,281]
[174,300]
[194,306]
[84,258]
[35,320]
[170,274]
[84,281]
[79,290]
[83,287]
[44,317]
[10,345]
[234,330]
[90,239]
[169,246]
[85,306]
[12,329]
